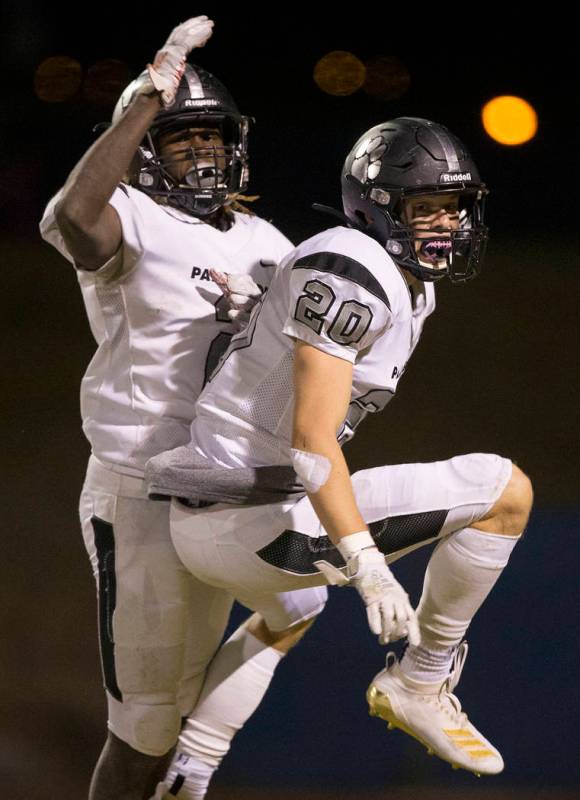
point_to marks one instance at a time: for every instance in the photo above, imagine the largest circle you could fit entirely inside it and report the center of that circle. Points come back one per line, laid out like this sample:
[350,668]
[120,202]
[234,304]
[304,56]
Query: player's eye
[180,139]
[431,211]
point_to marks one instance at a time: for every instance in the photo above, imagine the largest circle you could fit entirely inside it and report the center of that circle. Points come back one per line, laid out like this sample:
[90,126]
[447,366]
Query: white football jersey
[159,321]
[339,291]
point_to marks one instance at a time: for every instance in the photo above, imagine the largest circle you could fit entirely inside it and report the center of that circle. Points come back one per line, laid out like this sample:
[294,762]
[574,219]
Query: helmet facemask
[217,171]
[217,174]
[434,253]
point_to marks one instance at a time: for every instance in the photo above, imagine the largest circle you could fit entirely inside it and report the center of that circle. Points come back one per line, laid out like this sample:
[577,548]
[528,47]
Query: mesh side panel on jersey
[266,405]
[261,444]
[296,552]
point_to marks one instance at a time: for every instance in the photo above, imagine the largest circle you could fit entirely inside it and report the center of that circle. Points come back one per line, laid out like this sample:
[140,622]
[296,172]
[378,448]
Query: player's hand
[241,294]
[192,33]
[390,613]
[169,64]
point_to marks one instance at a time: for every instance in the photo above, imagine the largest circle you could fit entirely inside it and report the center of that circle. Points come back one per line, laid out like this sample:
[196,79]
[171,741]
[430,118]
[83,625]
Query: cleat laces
[446,699]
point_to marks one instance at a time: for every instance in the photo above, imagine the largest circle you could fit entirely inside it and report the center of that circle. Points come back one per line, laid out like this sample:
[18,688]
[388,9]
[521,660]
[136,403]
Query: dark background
[496,371]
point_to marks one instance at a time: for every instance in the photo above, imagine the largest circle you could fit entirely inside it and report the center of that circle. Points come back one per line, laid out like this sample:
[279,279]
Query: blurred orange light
[339,73]
[509,120]
[57,79]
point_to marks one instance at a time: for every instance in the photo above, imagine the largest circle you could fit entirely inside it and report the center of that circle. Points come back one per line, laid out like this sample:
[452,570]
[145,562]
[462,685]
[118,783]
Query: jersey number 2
[349,324]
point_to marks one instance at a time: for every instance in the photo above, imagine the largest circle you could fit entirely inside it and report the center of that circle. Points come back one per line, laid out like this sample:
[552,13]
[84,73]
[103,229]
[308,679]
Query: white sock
[460,574]
[235,684]
[187,777]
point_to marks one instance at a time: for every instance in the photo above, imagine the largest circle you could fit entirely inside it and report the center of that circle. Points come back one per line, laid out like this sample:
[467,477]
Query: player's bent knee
[523,495]
[517,500]
[510,513]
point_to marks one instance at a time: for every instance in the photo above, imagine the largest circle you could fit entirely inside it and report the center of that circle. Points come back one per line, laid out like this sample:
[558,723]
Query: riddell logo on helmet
[201,101]
[453,177]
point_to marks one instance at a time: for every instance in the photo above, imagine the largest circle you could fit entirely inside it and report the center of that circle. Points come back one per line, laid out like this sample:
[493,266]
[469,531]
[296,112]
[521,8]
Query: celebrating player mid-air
[326,346]
[149,210]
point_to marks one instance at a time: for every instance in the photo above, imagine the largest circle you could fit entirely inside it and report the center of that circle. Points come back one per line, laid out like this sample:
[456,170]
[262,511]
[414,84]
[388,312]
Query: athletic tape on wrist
[352,544]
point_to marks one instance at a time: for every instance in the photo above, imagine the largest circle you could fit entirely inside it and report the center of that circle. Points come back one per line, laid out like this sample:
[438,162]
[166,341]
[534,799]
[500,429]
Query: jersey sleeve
[336,304]
[132,226]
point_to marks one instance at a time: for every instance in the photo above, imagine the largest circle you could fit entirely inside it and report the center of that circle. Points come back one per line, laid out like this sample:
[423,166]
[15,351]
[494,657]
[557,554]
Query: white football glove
[389,611]
[169,64]
[241,293]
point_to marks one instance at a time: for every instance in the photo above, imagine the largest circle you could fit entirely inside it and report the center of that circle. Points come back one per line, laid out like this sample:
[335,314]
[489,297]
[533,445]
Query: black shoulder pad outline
[344,267]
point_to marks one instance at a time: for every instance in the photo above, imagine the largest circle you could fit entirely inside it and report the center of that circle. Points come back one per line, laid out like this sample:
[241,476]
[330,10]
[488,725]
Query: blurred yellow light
[509,120]
[57,79]
[339,73]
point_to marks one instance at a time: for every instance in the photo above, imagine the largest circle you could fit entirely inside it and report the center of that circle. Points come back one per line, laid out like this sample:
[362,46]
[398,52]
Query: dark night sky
[518,323]
[302,135]
[497,372]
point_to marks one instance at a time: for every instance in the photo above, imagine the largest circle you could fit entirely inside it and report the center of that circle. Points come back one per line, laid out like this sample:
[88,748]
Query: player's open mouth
[205,175]
[436,250]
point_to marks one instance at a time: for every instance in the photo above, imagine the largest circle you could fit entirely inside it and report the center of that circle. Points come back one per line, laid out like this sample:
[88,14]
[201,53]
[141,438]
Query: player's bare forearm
[334,502]
[322,386]
[93,180]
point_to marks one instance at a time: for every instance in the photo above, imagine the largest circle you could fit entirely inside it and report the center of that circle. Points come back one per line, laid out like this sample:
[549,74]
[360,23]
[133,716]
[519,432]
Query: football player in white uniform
[325,347]
[149,210]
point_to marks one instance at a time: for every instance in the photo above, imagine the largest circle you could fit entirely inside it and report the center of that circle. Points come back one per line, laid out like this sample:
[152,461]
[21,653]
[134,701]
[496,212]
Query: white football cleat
[430,713]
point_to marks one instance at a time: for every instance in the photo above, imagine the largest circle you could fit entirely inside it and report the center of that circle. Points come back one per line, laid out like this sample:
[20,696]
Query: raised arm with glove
[89,225]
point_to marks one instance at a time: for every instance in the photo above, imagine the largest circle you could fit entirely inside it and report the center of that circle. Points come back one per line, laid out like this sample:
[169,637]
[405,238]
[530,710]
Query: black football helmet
[402,158]
[217,173]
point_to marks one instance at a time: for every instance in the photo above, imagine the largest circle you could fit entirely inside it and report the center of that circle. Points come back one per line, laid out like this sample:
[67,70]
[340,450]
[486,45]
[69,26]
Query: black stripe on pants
[105,544]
